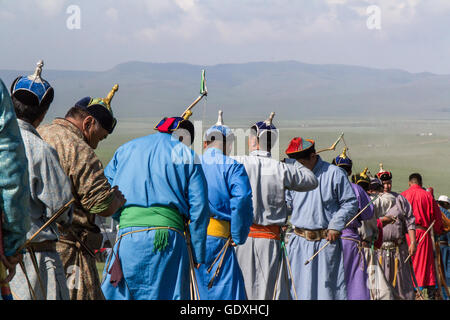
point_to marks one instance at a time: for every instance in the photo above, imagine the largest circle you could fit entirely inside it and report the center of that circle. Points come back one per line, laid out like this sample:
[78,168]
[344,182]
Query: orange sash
[268,232]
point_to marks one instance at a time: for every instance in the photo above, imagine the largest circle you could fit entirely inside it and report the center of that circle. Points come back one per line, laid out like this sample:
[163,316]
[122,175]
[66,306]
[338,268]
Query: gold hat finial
[344,153]
[364,173]
[220,119]
[270,119]
[110,95]
[381,168]
[187,114]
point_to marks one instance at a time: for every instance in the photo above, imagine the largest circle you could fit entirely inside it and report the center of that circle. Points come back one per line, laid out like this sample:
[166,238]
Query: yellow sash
[219,228]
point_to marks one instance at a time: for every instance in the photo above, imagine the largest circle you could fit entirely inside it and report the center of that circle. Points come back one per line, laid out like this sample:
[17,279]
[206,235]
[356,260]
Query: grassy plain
[403,146]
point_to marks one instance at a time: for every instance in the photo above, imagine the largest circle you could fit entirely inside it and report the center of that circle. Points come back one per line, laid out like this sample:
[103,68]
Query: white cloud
[186,5]
[51,7]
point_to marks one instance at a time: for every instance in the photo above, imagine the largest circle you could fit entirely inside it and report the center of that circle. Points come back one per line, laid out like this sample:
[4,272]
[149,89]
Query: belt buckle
[311,235]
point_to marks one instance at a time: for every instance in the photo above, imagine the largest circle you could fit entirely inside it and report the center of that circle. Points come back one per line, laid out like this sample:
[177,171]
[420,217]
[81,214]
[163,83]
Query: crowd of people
[203,227]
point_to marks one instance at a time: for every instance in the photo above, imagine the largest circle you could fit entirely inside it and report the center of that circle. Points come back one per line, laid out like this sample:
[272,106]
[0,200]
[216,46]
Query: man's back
[270,179]
[149,171]
[425,210]
[85,171]
[229,192]
[424,207]
[331,205]
[159,171]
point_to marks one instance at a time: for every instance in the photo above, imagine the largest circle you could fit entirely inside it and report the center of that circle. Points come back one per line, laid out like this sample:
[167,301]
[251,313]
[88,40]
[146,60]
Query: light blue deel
[153,171]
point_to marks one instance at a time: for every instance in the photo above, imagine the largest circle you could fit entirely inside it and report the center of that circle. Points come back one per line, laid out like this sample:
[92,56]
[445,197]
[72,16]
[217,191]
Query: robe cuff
[102,206]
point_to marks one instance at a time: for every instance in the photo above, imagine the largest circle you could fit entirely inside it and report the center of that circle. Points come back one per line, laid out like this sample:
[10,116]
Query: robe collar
[70,126]
[260,153]
[318,165]
[28,127]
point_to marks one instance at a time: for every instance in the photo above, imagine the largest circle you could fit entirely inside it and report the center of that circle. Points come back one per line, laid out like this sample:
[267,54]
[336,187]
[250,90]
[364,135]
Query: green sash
[153,217]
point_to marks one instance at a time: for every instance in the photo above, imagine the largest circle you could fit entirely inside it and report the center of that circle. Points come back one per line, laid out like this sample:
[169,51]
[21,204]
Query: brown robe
[93,194]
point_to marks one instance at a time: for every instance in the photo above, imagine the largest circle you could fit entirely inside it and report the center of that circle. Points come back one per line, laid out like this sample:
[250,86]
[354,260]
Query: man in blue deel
[164,184]
[231,215]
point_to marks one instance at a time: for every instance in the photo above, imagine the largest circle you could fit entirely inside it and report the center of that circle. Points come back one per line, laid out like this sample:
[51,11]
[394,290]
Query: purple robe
[355,267]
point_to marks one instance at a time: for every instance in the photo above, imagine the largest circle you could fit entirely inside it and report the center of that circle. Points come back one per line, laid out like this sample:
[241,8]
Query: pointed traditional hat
[343,160]
[384,175]
[100,109]
[33,90]
[220,128]
[362,179]
[266,132]
[265,126]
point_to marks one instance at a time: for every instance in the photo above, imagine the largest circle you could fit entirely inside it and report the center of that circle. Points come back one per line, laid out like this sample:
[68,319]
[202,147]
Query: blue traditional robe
[230,199]
[329,206]
[14,183]
[157,171]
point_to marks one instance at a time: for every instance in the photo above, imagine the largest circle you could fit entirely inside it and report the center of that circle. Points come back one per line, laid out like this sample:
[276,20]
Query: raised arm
[297,177]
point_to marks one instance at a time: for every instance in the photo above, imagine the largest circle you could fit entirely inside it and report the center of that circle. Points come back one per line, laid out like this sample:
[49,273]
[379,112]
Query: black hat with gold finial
[100,109]
[362,179]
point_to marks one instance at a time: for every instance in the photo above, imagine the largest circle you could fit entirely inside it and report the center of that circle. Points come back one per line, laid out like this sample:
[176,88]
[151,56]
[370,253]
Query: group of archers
[203,227]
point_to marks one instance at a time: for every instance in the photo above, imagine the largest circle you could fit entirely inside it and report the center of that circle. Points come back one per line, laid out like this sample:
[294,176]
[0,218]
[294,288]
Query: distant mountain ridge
[295,90]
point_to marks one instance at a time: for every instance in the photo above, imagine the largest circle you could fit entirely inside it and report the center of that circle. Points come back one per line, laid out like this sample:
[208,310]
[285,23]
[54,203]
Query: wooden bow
[333,146]
[348,223]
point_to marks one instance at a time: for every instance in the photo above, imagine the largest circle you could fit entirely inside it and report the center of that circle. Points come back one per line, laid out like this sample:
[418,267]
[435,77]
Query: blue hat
[220,128]
[263,127]
[33,90]
[343,160]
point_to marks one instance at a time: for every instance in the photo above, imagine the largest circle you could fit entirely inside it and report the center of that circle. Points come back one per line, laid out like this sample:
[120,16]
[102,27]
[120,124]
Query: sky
[411,35]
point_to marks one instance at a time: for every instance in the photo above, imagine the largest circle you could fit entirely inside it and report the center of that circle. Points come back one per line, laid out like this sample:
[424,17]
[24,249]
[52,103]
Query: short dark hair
[77,113]
[187,125]
[416,178]
[29,113]
[304,155]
